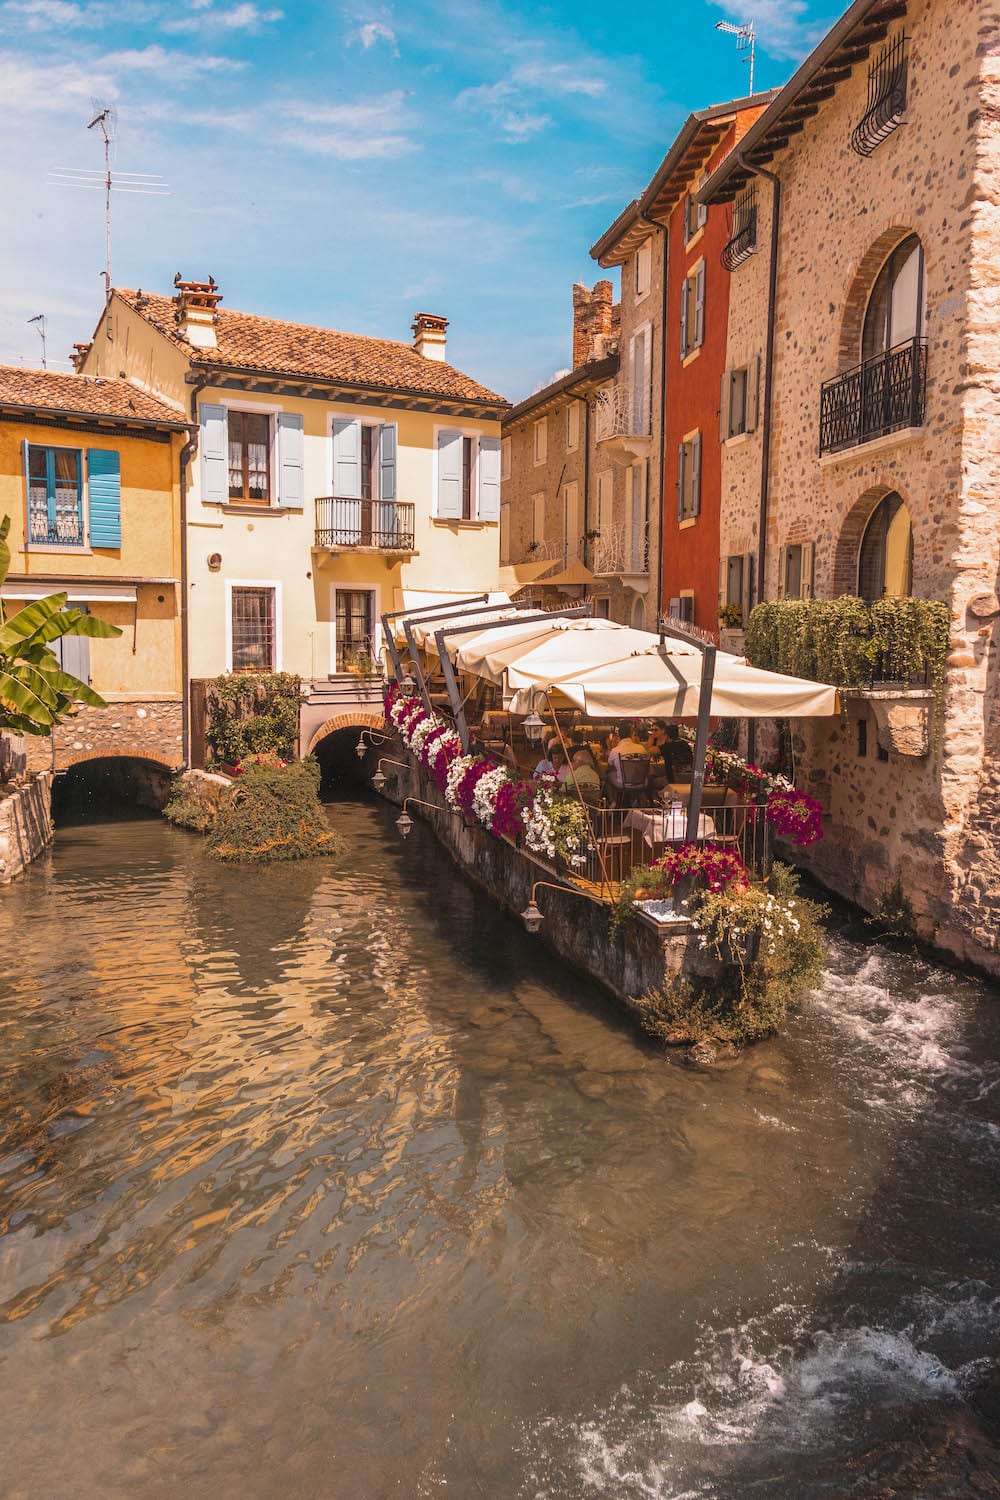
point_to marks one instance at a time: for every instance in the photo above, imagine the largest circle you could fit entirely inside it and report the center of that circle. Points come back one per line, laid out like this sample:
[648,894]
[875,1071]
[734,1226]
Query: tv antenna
[746,40]
[39,318]
[152,184]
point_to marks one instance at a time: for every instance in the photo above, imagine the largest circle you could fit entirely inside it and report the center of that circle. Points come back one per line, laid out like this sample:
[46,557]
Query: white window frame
[538,503]
[643,270]
[645,332]
[356,588]
[689,309]
[689,517]
[347,414]
[571,545]
[540,430]
[255,583]
[572,426]
[272,412]
[471,432]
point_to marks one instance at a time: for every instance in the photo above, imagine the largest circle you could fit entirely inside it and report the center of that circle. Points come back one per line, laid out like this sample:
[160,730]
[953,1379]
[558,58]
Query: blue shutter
[214,457]
[449,487]
[347,458]
[489,479]
[387,461]
[105,487]
[291,488]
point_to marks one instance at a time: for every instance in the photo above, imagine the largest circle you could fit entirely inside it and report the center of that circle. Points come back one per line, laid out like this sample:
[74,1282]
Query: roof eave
[718,188]
[489,402]
[587,376]
[95,418]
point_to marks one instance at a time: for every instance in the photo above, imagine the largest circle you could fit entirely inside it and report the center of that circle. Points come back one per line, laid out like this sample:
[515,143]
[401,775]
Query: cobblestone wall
[148,728]
[25,825]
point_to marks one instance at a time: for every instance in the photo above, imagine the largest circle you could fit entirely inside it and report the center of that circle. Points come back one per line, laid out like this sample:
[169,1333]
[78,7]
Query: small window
[695,213]
[641,374]
[249,436]
[643,268]
[693,311]
[798,580]
[55,497]
[573,425]
[862,738]
[682,608]
[253,630]
[689,478]
[505,459]
[541,440]
[538,518]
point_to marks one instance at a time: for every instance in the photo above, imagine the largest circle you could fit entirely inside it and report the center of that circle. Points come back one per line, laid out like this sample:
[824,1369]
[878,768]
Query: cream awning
[423,627]
[516,576]
[571,577]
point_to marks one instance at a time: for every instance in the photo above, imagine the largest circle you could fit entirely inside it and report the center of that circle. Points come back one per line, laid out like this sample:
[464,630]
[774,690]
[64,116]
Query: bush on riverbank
[251,713]
[274,814]
[771,946]
[195,800]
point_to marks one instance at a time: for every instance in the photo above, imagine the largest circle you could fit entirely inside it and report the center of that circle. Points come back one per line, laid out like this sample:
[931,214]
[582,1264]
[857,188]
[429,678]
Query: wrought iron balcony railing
[382,525]
[618,414]
[742,240]
[619,553]
[66,530]
[879,396]
[887,79]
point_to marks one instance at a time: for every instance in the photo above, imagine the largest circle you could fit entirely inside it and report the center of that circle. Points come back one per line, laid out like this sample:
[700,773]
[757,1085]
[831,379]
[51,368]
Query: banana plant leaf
[20,699]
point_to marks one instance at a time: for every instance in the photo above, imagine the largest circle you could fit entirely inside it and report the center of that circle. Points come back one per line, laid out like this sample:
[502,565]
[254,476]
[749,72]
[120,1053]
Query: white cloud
[40,15]
[179,67]
[244,17]
[377,31]
[365,129]
[559,78]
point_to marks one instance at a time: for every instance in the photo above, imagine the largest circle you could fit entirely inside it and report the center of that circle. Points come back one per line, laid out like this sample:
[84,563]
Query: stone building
[677,455]
[90,478]
[568,527]
[870,189]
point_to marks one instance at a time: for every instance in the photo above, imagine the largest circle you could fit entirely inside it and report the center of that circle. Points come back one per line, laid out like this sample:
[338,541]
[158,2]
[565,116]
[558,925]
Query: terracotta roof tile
[50,391]
[250,343]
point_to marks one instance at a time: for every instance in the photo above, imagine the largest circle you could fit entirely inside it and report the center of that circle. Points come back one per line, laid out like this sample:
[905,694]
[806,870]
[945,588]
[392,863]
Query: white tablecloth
[668,826]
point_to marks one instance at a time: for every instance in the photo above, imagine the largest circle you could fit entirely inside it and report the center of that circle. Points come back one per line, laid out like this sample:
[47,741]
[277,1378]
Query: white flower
[484,798]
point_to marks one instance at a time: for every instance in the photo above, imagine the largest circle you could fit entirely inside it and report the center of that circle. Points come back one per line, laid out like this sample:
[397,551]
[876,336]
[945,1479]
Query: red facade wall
[691,550]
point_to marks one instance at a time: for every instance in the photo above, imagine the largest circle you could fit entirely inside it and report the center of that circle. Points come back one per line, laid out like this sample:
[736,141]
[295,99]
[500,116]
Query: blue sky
[348,163]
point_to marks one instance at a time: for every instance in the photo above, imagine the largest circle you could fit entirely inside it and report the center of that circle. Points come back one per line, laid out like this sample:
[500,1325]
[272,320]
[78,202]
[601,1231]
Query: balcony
[64,529]
[624,557]
[742,242]
[364,525]
[878,397]
[886,111]
[621,421]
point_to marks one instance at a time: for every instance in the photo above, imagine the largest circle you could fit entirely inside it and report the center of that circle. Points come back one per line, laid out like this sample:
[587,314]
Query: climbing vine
[252,713]
[848,642]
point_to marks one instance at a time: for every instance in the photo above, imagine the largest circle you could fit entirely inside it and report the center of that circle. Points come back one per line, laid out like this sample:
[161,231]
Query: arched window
[885,561]
[895,312]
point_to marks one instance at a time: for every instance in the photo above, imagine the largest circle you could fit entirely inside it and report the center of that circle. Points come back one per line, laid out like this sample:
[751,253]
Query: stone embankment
[25,825]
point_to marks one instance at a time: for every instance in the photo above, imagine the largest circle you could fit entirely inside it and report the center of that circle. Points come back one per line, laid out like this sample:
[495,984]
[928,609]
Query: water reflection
[327,1181]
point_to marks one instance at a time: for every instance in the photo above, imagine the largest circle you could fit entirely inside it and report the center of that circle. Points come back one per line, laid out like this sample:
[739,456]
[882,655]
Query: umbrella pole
[605,882]
[701,741]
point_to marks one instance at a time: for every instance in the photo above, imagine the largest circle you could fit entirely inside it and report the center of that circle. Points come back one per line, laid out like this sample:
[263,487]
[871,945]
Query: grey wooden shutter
[387,461]
[680,482]
[723,581]
[489,479]
[684,319]
[449,485]
[808,570]
[214,457]
[74,651]
[291,440]
[347,458]
[753,393]
[749,585]
[699,306]
[726,406]
[696,475]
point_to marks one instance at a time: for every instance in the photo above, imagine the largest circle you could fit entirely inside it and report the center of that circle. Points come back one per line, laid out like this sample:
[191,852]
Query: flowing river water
[330,1182]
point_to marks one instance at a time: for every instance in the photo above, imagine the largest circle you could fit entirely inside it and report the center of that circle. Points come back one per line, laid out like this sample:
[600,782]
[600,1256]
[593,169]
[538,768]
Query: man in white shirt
[629,745]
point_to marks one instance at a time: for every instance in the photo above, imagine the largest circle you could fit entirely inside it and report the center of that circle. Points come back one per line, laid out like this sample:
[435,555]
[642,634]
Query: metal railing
[65,531]
[617,414]
[887,81]
[384,525]
[627,838]
[742,242]
[879,396]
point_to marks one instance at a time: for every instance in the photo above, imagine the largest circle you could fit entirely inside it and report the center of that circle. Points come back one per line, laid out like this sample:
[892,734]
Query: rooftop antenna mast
[39,318]
[746,40]
[108,182]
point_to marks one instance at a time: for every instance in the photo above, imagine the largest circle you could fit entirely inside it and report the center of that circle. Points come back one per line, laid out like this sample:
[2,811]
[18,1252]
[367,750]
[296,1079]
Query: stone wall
[908,818]
[25,825]
[574,927]
[147,728]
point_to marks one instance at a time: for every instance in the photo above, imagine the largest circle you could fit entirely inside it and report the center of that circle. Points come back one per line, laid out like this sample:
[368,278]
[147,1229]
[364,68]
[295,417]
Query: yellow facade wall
[146,658]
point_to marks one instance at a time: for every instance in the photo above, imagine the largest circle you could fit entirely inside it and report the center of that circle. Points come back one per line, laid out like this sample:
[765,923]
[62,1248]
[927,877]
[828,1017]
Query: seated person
[677,755]
[630,745]
[550,765]
[657,736]
[588,783]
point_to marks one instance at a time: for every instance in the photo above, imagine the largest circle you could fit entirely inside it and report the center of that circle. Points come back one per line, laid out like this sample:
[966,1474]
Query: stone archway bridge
[342,701]
[134,728]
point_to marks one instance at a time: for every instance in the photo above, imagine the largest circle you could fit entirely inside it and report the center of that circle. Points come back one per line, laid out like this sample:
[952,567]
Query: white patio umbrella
[665,682]
[554,646]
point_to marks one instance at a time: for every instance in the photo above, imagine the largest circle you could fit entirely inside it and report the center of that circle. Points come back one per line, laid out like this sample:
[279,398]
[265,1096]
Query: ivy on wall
[850,643]
[252,712]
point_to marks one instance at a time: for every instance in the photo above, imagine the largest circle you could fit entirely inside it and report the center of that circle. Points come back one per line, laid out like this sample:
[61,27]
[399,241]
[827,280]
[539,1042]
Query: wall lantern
[378,781]
[533,727]
[532,917]
[404,822]
[408,684]
[361,747]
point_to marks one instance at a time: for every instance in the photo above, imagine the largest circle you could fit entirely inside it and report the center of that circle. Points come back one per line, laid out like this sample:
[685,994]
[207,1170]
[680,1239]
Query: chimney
[430,336]
[79,356]
[592,313]
[195,304]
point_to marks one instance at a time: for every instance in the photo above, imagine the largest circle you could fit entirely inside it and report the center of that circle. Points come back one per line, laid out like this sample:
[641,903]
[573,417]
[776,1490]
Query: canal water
[330,1182]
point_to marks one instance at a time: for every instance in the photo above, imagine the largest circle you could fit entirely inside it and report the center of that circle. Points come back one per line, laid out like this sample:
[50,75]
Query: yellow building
[89,475]
[333,475]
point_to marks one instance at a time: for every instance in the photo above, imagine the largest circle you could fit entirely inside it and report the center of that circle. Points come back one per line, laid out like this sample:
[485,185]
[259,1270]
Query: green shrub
[194,803]
[274,814]
[849,643]
[250,713]
[771,947]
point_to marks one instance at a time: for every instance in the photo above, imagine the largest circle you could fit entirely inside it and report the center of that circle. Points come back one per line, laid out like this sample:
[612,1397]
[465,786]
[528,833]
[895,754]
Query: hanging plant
[795,816]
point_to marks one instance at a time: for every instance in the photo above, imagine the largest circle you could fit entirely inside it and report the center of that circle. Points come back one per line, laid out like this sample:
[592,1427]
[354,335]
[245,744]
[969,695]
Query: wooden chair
[635,777]
[730,820]
[614,846]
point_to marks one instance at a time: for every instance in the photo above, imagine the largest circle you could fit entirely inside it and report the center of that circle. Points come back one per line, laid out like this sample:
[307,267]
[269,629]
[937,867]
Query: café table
[667,825]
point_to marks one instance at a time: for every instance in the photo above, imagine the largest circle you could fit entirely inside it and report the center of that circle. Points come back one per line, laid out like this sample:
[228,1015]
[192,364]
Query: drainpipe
[765,459]
[664,235]
[588,546]
[186,454]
